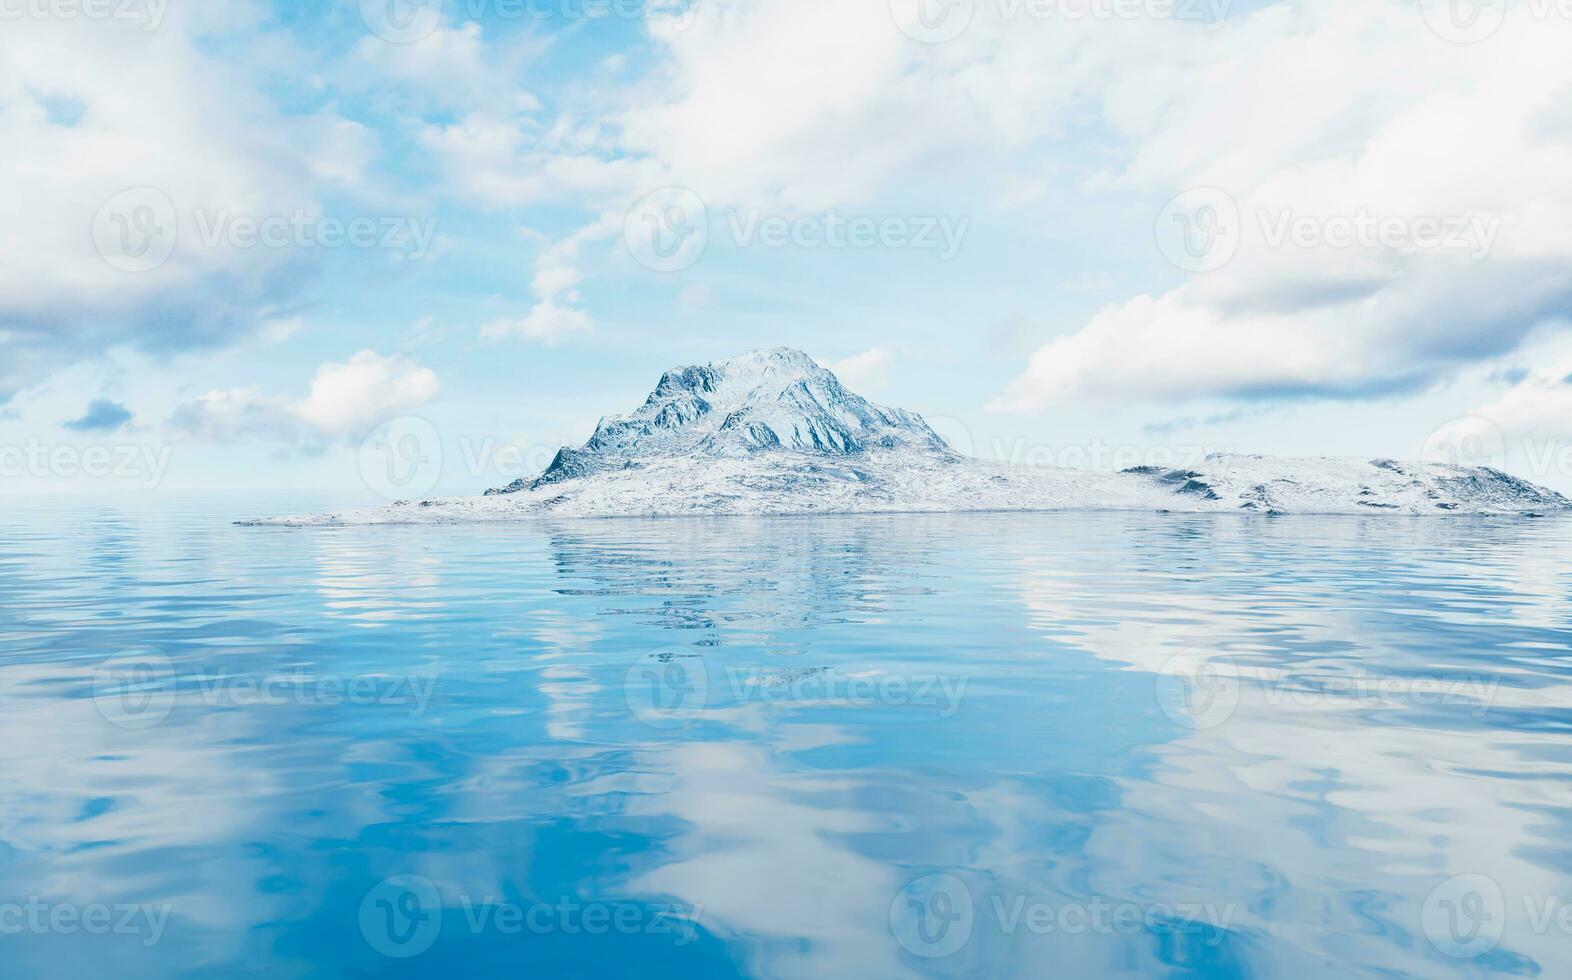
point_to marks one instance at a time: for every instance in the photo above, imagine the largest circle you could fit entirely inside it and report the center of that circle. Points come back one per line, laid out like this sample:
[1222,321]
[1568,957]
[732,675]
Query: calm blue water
[1036,746]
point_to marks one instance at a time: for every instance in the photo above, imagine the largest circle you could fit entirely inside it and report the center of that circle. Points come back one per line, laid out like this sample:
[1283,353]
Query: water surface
[1007,745]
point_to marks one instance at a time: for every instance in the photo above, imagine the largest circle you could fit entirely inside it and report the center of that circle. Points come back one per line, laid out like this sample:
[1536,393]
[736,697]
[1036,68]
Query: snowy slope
[765,400]
[774,433]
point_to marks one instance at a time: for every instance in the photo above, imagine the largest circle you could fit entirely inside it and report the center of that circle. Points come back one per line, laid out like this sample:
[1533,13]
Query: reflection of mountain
[761,578]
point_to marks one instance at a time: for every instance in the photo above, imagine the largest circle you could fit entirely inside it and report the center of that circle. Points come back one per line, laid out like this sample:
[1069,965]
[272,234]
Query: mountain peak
[771,400]
[777,358]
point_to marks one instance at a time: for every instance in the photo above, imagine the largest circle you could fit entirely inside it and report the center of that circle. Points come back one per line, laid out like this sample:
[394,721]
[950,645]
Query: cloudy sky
[238,237]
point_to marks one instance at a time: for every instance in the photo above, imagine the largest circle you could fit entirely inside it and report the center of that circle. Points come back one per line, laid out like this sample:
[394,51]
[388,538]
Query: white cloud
[343,149]
[1305,108]
[222,415]
[345,401]
[545,322]
[349,399]
[808,104]
[1327,115]
[864,371]
[281,330]
[1528,425]
[805,102]
[512,159]
[454,67]
[1538,408]
[148,109]
[449,63]
[556,313]
[696,296]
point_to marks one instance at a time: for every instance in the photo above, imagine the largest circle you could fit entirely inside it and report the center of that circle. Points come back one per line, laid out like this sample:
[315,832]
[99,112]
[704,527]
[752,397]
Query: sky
[247,244]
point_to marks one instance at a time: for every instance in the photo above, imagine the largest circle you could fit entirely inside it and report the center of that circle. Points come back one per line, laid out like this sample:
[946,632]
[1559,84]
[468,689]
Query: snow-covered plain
[772,432]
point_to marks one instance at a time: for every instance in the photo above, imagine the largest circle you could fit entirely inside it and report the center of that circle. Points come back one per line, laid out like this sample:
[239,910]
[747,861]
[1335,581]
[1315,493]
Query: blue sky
[1084,232]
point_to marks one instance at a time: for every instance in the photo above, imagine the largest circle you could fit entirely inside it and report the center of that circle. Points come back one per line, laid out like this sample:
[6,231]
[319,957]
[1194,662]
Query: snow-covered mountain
[772,432]
[767,400]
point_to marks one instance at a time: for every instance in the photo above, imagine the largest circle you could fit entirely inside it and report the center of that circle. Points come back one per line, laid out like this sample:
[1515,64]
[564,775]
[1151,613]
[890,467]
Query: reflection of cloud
[376,579]
[1328,819]
[90,809]
[781,875]
[791,827]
